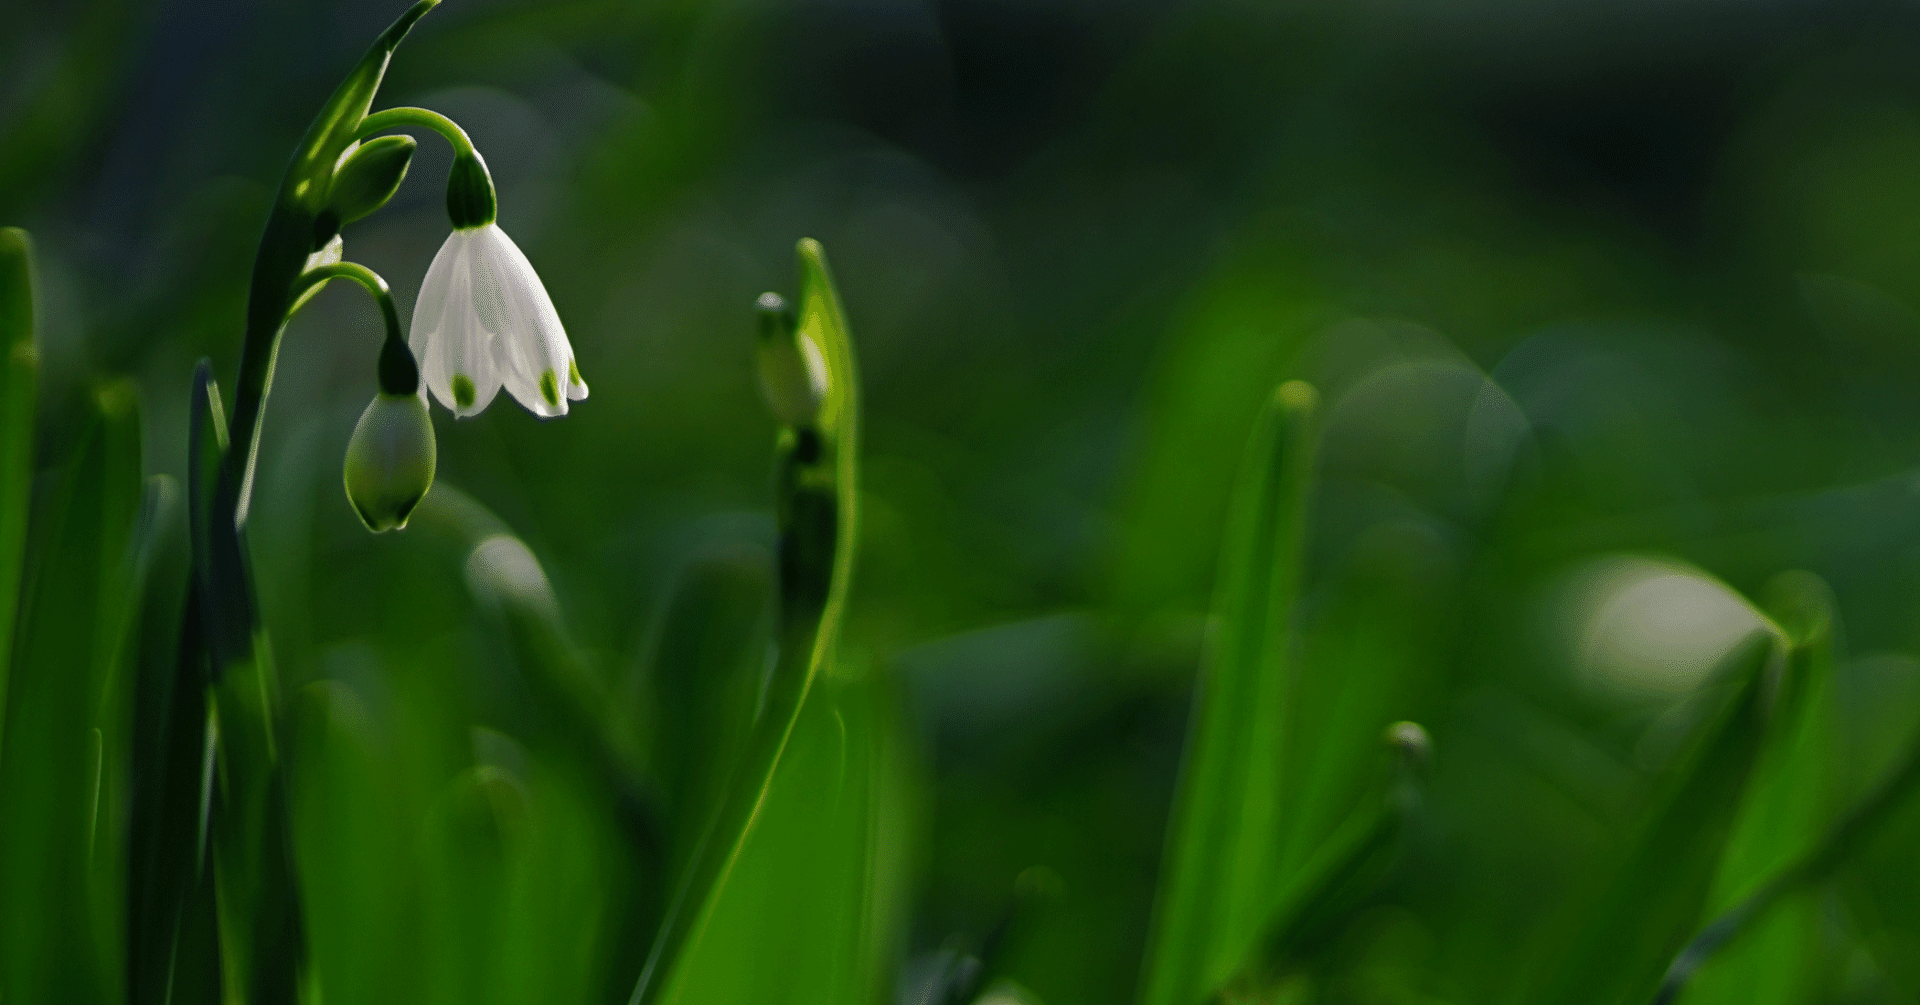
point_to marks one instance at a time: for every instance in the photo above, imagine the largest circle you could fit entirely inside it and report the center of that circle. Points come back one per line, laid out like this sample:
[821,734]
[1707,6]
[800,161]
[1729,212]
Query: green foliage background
[1576,283]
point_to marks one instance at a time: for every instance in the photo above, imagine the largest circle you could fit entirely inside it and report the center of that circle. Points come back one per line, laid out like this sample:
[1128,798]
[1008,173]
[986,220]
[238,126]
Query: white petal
[508,292]
[431,305]
[459,360]
[429,312]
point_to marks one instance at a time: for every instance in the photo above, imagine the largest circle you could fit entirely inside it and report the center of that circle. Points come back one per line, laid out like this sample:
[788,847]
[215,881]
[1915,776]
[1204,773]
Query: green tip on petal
[550,388]
[573,373]
[463,390]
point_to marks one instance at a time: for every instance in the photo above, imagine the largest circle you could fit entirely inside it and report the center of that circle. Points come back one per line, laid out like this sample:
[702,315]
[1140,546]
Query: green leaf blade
[19,364]
[808,912]
[59,942]
[1220,873]
[1656,900]
[1789,807]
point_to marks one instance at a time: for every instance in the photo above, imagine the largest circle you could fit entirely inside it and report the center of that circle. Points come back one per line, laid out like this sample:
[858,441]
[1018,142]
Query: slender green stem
[367,278]
[817,504]
[390,119]
[1816,865]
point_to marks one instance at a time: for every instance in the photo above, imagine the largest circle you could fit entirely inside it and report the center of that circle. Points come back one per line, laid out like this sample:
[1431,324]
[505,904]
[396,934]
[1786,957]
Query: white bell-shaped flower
[484,321]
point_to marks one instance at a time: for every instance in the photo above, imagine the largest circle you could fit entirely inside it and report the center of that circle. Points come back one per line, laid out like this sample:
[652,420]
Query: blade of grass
[1789,806]
[802,915]
[1344,873]
[1219,879]
[1654,901]
[1858,830]
[818,510]
[166,742]
[146,599]
[704,676]
[55,946]
[1373,642]
[19,363]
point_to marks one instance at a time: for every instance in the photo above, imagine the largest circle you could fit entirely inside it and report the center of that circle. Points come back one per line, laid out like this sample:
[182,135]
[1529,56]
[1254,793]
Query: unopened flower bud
[390,460]
[793,373]
[369,174]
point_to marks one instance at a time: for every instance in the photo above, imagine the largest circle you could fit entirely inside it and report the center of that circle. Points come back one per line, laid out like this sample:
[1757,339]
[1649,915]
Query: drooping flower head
[484,320]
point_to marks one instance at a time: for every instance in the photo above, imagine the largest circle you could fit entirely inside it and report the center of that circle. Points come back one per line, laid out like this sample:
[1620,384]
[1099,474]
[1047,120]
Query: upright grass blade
[167,741]
[54,945]
[148,608]
[1654,902]
[262,943]
[1372,645]
[1219,881]
[212,912]
[19,361]
[817,505]
[806,914]
[172,925]
[1789,807]
[1345,872]
[1766,916]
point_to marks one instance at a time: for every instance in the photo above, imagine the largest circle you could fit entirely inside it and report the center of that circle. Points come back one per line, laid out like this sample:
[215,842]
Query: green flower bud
[369,174]
[470,198]
[793,373]
[390,461]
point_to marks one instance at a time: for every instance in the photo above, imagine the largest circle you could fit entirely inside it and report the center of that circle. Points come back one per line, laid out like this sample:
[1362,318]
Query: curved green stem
[368,279]
[817,506]
[394,118]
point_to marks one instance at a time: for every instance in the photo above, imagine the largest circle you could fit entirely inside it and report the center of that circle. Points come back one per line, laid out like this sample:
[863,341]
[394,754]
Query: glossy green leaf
[1221,876]
[60,940]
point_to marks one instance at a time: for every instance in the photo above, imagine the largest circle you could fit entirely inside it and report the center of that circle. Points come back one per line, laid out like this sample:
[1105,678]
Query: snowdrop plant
[221,857]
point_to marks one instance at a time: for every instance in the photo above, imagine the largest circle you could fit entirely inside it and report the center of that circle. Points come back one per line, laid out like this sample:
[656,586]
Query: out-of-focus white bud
[793,373]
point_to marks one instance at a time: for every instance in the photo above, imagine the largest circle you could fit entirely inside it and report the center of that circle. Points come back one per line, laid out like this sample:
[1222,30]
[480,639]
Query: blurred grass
[66,714]
[17,394]
[1225,867]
